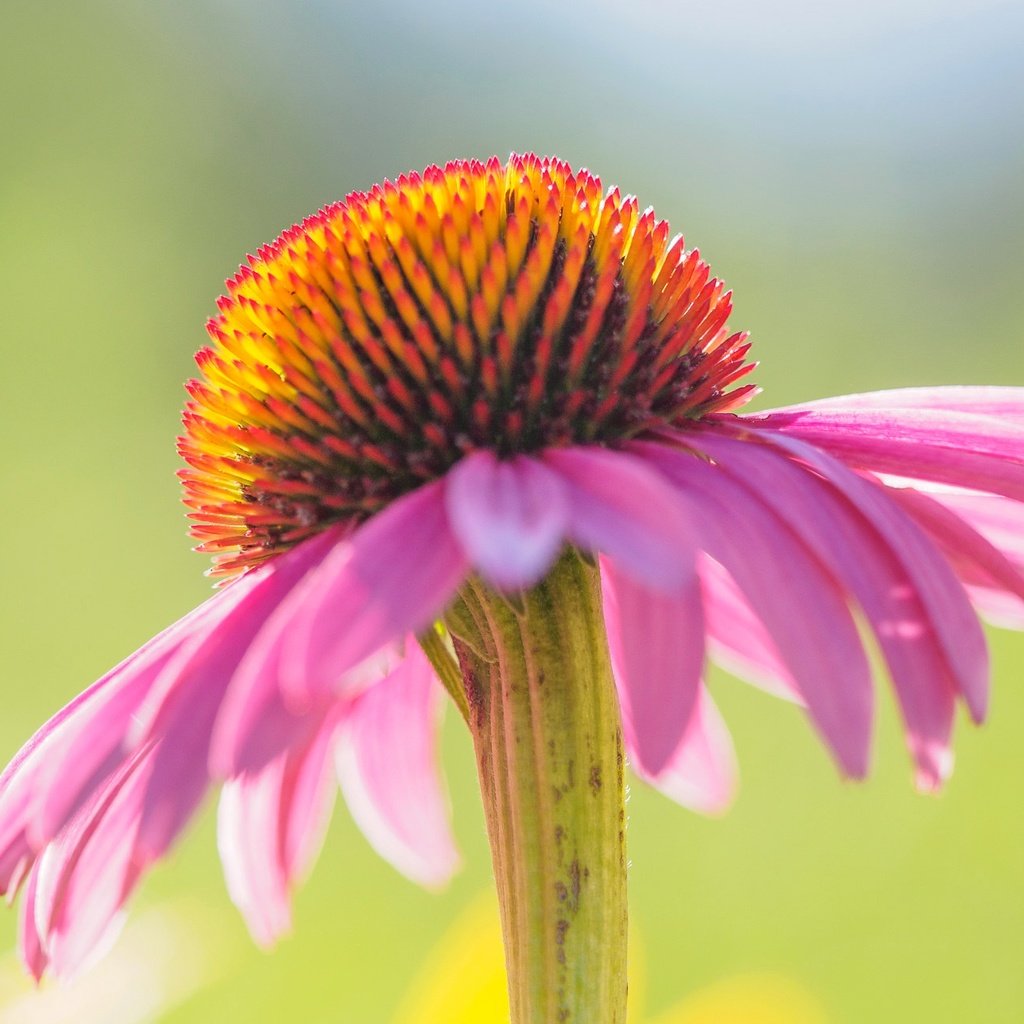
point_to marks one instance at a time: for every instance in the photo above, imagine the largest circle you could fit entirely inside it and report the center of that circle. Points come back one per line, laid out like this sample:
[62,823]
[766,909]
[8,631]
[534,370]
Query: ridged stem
[545,722]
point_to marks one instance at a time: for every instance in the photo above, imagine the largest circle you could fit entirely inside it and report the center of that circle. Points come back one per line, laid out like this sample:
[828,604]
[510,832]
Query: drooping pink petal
[950,520]
[956,626]
[998,607]
[87,873]
[509,515]
[981,448]
[619,507]
[213,654]
[56,770]
[99,739]
[395,575]
[999,520]
[30,944]
[863,557]
[247,830]
[270,826]
[656,641]
[181,709]
[307,799]
[737,639]
[702,773]
[254,725]
[387,766]
[799,602]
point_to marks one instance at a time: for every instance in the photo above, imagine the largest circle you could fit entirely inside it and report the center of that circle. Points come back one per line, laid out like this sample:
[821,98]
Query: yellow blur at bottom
[748,999]
[463,982]
[463,978]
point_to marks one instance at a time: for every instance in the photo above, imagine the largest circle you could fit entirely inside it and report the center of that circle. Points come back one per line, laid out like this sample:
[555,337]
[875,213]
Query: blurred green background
[852,170]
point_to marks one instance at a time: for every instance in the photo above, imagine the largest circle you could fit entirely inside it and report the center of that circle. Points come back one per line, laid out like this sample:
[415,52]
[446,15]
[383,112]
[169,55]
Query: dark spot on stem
[574,884]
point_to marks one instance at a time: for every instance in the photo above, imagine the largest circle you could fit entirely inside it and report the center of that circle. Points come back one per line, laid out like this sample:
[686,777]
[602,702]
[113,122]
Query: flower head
[510,308]
[458,375]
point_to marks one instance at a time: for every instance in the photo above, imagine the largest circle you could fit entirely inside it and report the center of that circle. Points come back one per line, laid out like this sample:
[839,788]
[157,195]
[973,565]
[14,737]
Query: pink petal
[799,603]
[701,773]
[307,799]
[57,770]
[254,725]
[214,653]
[270,827]
[737,639]
[395,575]
[1003,402]
[620,507]
[86,875]
[999,520]
[92,748]
[30,943]
[867,554]
[656,642]
[974,557]
[509,515]
[956,626]
[997,607]
[247,838]
[184,703]
[387,765]
[922,441]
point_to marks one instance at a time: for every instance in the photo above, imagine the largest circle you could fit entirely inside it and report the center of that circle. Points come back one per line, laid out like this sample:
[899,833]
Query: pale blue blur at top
[852,170]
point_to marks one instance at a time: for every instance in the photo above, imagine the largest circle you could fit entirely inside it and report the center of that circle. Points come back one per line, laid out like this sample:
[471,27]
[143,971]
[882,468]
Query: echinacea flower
[480,425]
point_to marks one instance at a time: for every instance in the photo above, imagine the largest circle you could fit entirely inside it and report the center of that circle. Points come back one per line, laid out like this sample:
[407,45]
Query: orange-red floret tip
[512,306]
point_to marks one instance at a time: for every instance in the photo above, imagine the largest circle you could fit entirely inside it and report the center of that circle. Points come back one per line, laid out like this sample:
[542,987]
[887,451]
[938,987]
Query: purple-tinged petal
[1003,402]
[255,725]
[737,639]
[997,607]
[509,515]
[44,785]
[856,542]
[395,575]
[30,943]
[976,560]
[270,826]
[999,520]
[800,604]
[247,838]
[701,774]
[307,794]
[926,442]
[620,507]
[184,703]
[956,626]
[656,642]
[86,875]
[387,766]
[98,740]
[209,661]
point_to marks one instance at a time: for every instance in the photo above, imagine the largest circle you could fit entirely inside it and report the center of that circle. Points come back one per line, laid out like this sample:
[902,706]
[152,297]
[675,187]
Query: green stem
[446,668]
[545,723]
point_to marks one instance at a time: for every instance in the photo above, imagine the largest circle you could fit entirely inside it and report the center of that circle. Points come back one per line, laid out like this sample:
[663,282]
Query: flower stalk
[545,722]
